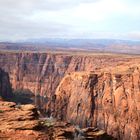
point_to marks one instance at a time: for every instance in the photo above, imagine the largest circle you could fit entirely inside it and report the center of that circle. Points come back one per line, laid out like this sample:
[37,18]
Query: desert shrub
[48,122]
[1,111]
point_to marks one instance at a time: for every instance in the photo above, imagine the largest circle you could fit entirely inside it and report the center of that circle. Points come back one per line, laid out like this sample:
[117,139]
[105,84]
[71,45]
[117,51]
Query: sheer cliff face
[5,87]
[106,100]
[42,72]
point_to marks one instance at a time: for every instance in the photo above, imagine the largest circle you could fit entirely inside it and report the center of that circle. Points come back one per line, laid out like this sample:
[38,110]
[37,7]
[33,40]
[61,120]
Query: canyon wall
[109,101]
[5,86]
[42,72]
[97,97]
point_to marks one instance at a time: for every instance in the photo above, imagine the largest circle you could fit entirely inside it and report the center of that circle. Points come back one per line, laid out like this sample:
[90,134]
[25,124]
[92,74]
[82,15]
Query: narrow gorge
[42,72]
[99,90]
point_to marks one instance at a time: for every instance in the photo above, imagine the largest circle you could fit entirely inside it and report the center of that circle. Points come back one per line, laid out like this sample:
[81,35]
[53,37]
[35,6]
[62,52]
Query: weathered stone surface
[22,123]
[66,131]
[23,135]
[17,118]
[42,72]
[19,123]
[109,101]
[28,107]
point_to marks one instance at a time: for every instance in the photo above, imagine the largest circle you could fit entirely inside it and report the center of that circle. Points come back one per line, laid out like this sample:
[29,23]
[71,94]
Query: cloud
[67,18]
[41,4]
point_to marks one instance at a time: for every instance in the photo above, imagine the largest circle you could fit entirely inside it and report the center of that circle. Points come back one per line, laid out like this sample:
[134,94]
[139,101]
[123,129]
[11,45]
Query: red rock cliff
[106,100]
[42,72]
[109,101]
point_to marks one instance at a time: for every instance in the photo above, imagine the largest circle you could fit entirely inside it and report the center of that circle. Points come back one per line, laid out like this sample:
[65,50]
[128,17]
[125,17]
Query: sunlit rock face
[23,123]
[42,72]
[109,101]
[5,87]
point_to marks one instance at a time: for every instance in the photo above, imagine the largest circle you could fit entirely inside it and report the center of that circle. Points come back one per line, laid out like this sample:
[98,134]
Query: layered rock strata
[42,72]
[19,122]
[109,101]
[22,123]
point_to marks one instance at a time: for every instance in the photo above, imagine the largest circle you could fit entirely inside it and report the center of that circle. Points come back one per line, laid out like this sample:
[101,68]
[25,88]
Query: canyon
[23,122]
[105,100]
[98,90]
[42,72]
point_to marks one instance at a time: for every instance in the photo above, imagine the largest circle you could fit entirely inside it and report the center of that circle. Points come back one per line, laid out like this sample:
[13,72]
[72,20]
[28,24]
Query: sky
[28,19]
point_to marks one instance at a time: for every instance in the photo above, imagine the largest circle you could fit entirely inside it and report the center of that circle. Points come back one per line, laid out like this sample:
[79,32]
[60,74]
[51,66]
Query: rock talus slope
[109,101]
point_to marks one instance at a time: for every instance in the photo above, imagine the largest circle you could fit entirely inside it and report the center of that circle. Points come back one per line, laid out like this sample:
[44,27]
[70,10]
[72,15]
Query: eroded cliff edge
[109,101]
[23,121]
[42,72]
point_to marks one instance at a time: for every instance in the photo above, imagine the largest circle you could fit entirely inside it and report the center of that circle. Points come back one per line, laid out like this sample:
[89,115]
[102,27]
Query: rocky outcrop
[17,117]
[21,122]
[109,101]
[5,86]
[65,131]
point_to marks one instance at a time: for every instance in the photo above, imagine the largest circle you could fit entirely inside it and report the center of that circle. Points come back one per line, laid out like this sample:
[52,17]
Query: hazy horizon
[83,19]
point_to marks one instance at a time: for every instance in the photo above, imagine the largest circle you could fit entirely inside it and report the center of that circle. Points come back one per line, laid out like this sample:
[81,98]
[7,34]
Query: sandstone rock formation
[102,98]
[5,87]
[42,72]
[17,118]
[22,123]
[65,131]
[19,122]
[109,101]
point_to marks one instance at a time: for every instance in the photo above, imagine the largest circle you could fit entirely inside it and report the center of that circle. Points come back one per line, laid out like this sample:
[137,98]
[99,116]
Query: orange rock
[108,101]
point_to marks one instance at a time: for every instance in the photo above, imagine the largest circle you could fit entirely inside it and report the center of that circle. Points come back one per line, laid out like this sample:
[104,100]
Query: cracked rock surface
[109,101]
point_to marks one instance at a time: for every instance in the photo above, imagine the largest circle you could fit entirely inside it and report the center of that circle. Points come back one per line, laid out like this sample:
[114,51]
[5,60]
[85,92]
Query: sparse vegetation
[48,122]
[1,111]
